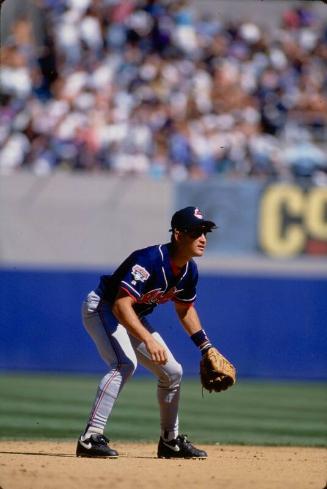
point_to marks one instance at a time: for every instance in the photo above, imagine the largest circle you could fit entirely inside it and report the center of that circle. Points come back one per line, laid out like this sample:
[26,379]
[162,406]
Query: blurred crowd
[151,87]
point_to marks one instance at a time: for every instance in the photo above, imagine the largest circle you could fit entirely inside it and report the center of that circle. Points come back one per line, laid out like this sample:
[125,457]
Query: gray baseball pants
[121,352]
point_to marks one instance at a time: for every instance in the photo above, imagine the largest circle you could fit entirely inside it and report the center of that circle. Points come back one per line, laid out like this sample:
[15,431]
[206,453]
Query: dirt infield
[50,465]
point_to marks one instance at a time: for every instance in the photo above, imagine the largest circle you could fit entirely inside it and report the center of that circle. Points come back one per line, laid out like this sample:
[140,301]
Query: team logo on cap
[198,214]
[140,274]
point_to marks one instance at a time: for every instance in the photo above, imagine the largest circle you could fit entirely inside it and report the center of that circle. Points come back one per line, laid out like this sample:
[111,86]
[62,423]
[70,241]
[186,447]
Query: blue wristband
[201,340]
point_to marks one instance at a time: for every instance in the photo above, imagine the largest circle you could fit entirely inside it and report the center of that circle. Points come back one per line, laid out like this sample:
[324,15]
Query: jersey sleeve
[188,294]
[137,272]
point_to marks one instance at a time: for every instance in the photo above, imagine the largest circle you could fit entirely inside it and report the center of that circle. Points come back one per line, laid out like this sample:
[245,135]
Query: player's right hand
[157,351]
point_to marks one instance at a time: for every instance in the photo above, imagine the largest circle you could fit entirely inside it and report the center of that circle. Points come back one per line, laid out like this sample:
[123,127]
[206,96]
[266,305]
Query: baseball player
[116,315]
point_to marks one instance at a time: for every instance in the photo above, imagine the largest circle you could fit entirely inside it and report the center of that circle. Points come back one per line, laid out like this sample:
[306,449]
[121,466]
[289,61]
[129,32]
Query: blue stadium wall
[271,327]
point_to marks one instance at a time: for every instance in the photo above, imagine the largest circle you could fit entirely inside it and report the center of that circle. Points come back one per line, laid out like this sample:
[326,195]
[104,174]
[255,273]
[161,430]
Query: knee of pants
[171,378]
[126,368]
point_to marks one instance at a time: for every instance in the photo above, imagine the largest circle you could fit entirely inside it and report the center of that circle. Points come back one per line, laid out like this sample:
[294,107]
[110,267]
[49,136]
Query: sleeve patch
[139,273]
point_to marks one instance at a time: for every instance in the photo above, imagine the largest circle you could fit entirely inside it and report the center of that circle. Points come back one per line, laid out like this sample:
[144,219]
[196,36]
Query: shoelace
[183,439]
[102,439]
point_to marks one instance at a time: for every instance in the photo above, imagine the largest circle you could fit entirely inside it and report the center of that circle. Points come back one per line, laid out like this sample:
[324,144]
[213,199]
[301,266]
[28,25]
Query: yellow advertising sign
[293,221]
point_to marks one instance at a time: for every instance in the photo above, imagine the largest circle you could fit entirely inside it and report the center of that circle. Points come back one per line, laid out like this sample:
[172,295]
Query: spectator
[148,87]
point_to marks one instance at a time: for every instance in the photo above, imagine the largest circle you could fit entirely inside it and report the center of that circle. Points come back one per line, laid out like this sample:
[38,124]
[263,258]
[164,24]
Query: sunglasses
[196,233]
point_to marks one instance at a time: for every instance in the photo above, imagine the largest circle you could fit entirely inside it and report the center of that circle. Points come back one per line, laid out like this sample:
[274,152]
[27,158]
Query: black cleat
[180,447]
[95,446]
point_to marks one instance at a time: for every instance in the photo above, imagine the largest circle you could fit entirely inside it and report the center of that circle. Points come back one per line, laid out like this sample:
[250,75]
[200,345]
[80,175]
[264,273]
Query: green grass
[263,413]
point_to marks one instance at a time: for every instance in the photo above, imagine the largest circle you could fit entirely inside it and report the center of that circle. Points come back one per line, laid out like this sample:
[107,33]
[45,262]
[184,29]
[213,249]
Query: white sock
[91,430]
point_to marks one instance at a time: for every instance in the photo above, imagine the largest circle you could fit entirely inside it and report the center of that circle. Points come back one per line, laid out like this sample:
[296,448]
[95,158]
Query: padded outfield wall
[262,294]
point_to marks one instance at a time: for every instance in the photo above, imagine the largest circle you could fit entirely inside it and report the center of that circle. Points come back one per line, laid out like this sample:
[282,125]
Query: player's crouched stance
[115,316]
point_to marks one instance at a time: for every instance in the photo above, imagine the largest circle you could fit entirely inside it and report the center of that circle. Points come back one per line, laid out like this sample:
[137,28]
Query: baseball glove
[216,372]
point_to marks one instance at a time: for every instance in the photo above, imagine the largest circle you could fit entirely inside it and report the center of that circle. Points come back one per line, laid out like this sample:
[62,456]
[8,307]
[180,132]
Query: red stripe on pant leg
[115,372]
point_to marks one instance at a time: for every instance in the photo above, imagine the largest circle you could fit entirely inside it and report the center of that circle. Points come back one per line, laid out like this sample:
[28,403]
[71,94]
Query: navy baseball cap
[191,218]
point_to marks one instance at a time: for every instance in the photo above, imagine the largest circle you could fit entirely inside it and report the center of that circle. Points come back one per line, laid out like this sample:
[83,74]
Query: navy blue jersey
[148,277]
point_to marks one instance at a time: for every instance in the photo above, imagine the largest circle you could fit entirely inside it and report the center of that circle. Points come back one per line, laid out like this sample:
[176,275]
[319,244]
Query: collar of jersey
[171,278]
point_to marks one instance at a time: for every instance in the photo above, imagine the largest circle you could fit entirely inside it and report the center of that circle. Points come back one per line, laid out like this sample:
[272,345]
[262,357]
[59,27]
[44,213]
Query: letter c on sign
[275,239]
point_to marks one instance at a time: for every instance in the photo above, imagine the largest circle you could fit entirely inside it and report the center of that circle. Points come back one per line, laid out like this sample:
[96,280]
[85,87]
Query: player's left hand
[216,372]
